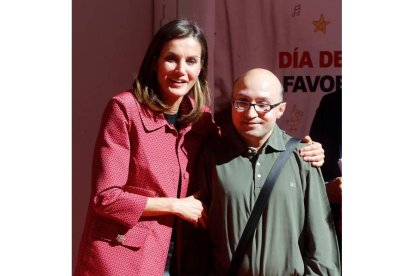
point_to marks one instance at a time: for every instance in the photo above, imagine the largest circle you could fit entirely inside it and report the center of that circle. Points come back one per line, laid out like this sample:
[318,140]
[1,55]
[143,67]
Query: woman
[144,155]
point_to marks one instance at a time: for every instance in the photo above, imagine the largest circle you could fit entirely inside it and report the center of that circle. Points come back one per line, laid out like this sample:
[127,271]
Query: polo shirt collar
[274,143]
[276,140]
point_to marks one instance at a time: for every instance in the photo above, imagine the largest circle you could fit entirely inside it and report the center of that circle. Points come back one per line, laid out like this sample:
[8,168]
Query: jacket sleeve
[111,168]
[196,260]
[316,130]
[321,256]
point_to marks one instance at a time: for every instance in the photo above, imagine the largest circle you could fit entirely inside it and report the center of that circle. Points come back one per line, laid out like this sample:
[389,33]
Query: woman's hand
[190,209]
[313,153]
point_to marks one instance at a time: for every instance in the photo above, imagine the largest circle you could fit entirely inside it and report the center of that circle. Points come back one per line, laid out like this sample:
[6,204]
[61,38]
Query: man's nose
[251,111]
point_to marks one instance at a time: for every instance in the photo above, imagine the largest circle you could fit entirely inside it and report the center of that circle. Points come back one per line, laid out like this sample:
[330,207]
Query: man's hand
[334,190]
[313,153]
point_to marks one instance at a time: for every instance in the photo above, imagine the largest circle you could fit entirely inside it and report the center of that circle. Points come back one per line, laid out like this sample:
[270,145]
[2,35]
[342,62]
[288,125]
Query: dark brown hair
[146,84]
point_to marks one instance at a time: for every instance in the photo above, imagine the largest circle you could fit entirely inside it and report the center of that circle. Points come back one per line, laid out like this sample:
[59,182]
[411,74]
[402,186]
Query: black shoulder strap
[259,206]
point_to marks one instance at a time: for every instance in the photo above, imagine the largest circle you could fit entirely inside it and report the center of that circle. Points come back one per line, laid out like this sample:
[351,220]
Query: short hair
[279,93]
[145,85]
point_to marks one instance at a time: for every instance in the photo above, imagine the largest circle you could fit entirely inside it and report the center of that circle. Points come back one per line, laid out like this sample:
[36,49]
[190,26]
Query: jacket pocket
[118,234]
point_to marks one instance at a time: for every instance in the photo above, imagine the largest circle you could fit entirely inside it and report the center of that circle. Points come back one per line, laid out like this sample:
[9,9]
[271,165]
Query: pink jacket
[137,155]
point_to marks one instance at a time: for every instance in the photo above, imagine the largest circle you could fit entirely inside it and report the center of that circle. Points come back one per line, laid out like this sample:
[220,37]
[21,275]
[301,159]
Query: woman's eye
[192,61]
[170,58]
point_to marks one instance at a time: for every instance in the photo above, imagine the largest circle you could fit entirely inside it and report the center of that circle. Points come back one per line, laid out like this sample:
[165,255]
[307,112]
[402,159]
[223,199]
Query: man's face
[255,127]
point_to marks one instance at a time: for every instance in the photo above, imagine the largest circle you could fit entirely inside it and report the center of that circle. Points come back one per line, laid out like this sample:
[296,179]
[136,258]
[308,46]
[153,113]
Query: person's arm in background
[196,255]
[334,190]
[325,128]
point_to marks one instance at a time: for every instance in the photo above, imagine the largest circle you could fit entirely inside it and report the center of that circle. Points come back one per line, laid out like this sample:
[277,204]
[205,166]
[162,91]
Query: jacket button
[120,238]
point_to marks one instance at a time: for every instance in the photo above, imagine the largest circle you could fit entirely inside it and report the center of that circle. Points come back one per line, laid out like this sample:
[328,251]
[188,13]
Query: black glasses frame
[234,102]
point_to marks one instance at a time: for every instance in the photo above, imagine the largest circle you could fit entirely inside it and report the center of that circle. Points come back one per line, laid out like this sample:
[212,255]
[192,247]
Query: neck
[173,105]
[258,143]
[171,111]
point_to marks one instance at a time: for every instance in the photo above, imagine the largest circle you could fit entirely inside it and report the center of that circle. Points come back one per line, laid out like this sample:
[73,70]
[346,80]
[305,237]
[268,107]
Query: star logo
[320,25]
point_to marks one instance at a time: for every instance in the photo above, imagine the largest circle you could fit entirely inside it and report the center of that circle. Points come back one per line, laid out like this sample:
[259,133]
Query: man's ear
[280,110]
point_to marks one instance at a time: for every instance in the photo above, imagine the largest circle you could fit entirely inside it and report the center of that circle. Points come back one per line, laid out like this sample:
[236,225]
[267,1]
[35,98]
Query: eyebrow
[260,99]
[169,53]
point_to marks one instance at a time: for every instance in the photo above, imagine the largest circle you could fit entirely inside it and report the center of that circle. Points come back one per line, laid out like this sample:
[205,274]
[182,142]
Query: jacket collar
[153,120]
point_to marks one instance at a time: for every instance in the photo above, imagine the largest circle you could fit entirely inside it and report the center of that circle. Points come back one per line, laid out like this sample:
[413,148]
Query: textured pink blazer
[138,155]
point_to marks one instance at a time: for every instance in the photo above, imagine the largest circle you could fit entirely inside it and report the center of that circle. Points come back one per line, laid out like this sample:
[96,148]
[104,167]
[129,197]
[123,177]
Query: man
[295,234]
[327,128]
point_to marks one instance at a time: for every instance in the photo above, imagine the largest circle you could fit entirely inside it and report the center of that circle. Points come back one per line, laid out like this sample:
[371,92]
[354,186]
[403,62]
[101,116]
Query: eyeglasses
[259,107]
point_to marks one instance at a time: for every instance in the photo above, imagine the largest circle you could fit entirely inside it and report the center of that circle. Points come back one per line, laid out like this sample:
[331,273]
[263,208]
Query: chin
[179,92]
[252,135]
[251,130]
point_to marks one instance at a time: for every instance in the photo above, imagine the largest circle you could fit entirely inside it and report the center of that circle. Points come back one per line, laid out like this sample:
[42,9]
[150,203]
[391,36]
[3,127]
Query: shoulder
[299,144]
[205,124]
[126,102]
[332,99]
[285,138]
[122,107]
[222,149]
[125,98]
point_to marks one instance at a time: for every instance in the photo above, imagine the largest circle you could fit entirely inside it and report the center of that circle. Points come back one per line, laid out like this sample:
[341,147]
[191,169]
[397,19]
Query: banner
[299,41]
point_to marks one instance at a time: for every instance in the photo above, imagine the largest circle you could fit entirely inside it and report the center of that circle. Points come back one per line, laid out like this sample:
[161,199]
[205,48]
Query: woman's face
[178,68]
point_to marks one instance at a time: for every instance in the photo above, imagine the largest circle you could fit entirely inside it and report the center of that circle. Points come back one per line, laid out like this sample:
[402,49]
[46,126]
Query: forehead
[188,46]
[261,90]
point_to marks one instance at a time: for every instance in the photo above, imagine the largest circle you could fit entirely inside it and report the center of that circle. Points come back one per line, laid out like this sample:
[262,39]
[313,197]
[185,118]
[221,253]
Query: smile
[251,123]
[177,81]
